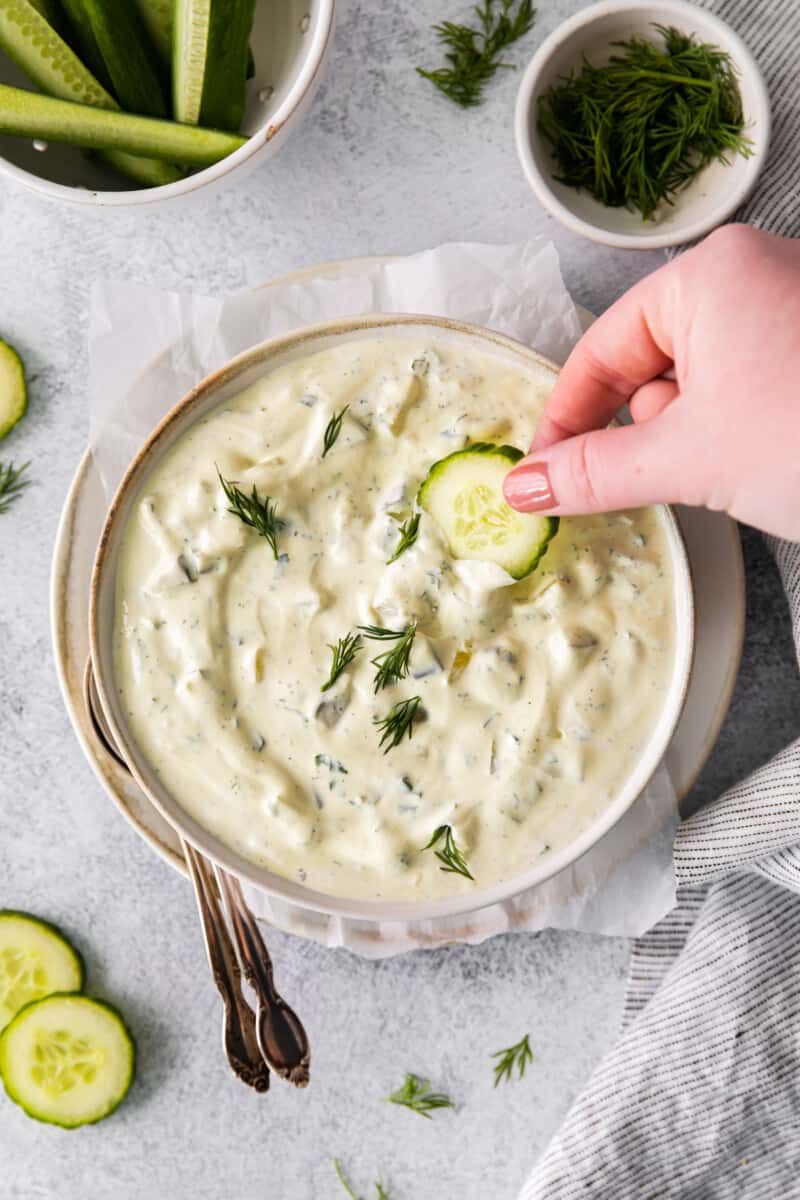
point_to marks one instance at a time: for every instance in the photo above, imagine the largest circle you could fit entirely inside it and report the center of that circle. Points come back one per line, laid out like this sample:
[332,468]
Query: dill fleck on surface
[13,482]
[473,55]
[416,1094]
[515,1056]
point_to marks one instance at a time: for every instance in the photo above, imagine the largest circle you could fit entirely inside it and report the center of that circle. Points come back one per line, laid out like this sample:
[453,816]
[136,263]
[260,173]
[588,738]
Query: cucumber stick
[157,17]
[67,1060]
[13,402]
[114,30]
[46,58]
[210,60]
[464,495]
[35,960]
[26,114]
[159,20]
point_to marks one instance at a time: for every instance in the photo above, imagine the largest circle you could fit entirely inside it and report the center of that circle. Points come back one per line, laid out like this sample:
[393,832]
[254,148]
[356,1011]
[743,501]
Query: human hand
[722,430]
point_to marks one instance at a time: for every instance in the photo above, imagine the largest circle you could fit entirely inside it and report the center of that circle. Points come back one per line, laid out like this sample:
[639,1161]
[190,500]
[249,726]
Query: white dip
[537,697]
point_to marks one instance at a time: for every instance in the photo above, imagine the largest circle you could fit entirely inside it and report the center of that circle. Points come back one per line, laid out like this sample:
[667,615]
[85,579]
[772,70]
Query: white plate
[715,557]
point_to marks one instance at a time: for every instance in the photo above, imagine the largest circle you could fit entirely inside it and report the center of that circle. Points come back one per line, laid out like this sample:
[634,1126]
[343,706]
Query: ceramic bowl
[290,43]
[711,198]
[241,373]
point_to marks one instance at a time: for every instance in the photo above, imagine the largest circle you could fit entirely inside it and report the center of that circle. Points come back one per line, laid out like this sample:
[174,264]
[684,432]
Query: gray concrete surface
[382,164]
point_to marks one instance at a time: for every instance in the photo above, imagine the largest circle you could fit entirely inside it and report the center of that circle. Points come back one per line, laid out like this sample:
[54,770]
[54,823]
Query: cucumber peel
[67,1060]
[35,960]
[464,495]
[25,114]
[158,19]
[13,391]
[114,30]
[210,61]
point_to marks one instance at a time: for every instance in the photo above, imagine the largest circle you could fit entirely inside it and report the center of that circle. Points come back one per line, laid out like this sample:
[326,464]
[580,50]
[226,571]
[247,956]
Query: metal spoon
[275,1036]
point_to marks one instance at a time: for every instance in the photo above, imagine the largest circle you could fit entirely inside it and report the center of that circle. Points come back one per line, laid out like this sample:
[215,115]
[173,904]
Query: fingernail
[528,488]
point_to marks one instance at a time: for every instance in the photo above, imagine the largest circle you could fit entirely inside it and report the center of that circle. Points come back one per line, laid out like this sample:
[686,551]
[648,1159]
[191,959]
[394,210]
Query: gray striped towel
[700,1098]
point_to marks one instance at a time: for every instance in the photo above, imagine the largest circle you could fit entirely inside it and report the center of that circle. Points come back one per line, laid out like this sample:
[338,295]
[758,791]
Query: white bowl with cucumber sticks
[128,102]
[337,662]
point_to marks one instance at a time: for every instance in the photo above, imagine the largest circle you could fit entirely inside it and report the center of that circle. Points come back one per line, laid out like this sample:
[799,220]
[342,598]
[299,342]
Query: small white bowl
[718,190]
[290,42]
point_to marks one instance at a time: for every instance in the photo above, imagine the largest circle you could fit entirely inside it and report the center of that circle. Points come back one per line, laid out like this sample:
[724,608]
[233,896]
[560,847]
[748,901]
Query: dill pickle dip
[537,697]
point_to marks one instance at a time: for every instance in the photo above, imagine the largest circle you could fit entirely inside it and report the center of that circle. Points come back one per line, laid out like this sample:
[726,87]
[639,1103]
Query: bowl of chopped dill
[642,125]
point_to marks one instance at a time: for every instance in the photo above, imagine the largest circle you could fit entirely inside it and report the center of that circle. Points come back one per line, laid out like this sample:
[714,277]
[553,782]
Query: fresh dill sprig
[398,722]
[258,514]
[345,1182]
[473,55]
[408,535]
[332,430]
[636,130]
[392,665]
[451,856]
[416,1094]
[515,1056]
[343,654]
[12,484]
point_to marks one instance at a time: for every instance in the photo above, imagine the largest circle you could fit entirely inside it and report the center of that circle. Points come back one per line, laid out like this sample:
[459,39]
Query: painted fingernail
[528,488]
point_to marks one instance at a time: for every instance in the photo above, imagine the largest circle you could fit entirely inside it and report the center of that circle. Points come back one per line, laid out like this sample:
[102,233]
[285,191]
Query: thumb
[607,469]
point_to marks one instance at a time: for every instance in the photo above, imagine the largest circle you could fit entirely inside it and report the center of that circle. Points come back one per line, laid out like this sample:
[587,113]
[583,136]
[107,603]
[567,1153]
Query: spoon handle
[239,1033]
[281,1037]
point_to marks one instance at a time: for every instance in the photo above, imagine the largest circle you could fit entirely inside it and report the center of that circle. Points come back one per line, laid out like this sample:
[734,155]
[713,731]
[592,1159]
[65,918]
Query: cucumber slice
[67,1060]
[13,392]
[210,59]
[26,114]
[35,960]
[464,495]
[114,30]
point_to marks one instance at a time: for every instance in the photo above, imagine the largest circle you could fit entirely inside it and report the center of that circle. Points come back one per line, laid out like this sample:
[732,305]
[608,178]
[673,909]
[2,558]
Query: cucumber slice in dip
[464,495]
[35,960]
[67,1060]
[13,392]
[210,61]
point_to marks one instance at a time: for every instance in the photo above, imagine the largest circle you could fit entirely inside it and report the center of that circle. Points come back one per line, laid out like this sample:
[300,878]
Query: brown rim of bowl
[207,843]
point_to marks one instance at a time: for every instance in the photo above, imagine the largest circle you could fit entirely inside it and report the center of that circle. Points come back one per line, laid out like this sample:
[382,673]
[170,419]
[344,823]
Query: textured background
[382,164]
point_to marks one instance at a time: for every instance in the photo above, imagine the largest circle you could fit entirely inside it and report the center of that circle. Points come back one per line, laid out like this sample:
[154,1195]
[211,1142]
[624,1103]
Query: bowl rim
[719,212]
[305,80]
[278,886]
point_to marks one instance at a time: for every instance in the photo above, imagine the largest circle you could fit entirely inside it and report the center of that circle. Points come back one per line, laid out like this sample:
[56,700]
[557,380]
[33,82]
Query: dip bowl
[222,386]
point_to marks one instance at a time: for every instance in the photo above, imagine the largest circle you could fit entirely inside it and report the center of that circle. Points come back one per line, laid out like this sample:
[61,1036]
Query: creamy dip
[537,697]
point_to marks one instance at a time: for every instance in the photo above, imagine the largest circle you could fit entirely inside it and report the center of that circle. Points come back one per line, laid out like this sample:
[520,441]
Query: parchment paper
[147,348]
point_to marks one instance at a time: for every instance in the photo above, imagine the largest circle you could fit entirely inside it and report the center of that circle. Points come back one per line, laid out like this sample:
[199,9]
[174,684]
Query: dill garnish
[391,665]
[344,1181]
[408,535]
[519,1056]
[398,722]
[636,130]
[332,430]
[12,484]
[473,55]
[451,856]
[343,654]
[416,1094]
[258,514]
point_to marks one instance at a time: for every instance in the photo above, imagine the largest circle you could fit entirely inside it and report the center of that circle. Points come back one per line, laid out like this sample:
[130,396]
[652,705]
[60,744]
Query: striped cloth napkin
[700,1099]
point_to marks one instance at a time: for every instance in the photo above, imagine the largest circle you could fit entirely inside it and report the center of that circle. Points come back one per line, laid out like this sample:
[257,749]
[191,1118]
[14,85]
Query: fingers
[608,469]
[652,399]
[627,347]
